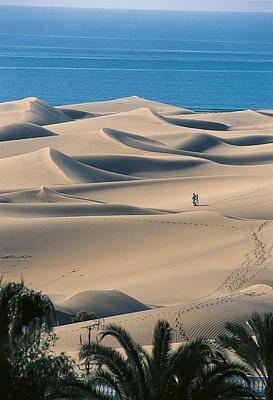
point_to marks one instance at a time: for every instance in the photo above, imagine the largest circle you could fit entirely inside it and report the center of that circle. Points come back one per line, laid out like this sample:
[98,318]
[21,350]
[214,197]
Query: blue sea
[190,59]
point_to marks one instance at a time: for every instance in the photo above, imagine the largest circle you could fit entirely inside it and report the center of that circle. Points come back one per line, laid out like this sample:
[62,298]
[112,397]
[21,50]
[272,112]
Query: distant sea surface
[189,59]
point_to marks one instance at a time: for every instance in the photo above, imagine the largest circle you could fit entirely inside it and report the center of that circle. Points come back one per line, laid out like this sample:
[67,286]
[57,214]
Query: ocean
[198,60]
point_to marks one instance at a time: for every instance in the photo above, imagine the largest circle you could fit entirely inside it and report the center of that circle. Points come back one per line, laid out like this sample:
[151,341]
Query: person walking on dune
[194,199]
[197,199]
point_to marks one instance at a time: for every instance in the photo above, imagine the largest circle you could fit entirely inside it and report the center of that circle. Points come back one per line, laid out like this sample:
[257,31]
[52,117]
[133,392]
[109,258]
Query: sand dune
[70,210]
[230,194]
[197,124]
[63,317]
[126,104]
[75,114]
[42,194]
[23,131]
[87,143]
[137,141]
[269,113]
[30,110]
[204,142]
[197,144]
[102,198]
[49,166]
[134,121]
[103,303]
[204,318]
[123,252]
[237,120]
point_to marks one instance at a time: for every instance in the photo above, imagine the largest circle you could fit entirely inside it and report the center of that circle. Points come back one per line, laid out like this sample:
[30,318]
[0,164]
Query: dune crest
[137,141]
[126,104]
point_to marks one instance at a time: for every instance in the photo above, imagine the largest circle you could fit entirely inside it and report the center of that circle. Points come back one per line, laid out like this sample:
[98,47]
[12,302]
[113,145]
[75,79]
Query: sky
[211,5]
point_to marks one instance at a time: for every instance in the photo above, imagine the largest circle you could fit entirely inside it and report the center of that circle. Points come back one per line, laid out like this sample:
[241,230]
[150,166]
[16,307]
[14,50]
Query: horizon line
[136,9]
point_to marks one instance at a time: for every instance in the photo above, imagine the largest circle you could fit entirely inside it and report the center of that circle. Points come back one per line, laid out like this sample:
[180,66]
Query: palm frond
[240,341]
[162,340]
[217,381]
[136,356]
[122,372]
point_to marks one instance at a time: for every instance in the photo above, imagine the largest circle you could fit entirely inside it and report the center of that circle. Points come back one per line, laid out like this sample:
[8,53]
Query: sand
[95,210]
